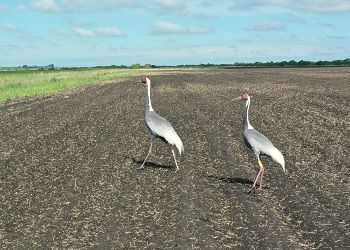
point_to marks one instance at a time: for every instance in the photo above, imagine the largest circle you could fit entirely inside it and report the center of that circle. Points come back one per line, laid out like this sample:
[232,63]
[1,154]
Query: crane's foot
[252,190]
[260,174]
[148,154]
[142,167]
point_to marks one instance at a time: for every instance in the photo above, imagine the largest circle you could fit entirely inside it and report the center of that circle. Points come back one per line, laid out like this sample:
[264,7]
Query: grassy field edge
[15,85]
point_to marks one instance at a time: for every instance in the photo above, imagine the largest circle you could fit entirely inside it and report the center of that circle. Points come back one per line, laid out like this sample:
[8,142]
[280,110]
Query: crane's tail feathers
[179,145]
[174,139]
[278,157]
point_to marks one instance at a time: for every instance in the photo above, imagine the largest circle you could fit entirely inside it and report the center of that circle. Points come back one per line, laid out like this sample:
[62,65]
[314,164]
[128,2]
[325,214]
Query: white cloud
[120,3]
[182,7]
[45,5]
[162,27]
[166,27]
[246,5]
[322,6]
[266,27]
[88,33]
[84,32]
[10,27]
[71,5]
[169,4]
[77,5]
[315,6]
[242,6]
[108,31]
[177,7]
[280,2]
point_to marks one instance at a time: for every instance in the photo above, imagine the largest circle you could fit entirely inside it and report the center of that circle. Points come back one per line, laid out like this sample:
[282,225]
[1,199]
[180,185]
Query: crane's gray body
[257,142]
[156,124]
[159,127]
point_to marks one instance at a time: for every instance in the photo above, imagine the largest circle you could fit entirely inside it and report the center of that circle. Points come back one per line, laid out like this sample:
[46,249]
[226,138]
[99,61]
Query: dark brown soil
[69,178]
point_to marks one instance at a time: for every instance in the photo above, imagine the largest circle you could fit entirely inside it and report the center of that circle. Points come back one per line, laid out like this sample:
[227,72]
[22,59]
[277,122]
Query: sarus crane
[258,143]
[159,127]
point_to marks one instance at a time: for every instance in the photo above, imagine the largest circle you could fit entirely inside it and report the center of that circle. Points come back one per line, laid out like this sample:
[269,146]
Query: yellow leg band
[260,164]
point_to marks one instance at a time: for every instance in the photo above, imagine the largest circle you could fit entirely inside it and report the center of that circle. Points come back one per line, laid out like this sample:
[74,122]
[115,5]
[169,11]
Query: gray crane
[258,143]
[159,127]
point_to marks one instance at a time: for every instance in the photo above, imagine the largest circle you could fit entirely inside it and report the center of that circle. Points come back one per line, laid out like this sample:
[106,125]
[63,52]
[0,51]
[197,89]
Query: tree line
[291,63]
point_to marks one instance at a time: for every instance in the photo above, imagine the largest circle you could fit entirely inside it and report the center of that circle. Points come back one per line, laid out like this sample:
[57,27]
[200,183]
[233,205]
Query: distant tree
[135,66]
[292,63]
[147,66]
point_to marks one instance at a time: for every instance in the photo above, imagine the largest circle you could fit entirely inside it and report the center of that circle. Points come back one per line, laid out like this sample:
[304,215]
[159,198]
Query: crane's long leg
[177,166]
[260,174]
[149,152]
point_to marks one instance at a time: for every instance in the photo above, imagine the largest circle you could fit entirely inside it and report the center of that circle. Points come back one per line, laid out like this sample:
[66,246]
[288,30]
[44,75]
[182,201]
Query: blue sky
[171,32]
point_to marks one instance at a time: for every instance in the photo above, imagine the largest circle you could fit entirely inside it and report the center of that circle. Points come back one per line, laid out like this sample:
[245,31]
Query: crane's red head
[244,96]
[145,80]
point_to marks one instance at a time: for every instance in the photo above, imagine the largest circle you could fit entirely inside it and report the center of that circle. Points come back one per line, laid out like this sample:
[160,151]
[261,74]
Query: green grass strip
[25,83]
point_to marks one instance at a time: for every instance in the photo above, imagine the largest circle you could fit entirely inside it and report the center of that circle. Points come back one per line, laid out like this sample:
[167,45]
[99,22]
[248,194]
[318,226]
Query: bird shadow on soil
[238,180]
[243,181]
[149,164]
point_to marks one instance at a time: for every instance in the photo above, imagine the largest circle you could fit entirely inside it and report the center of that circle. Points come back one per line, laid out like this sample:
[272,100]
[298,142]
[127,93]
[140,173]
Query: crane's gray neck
[148,106]
[246,123]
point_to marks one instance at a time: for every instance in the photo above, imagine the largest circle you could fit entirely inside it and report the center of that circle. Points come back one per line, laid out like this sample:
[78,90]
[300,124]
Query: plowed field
[69,178]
